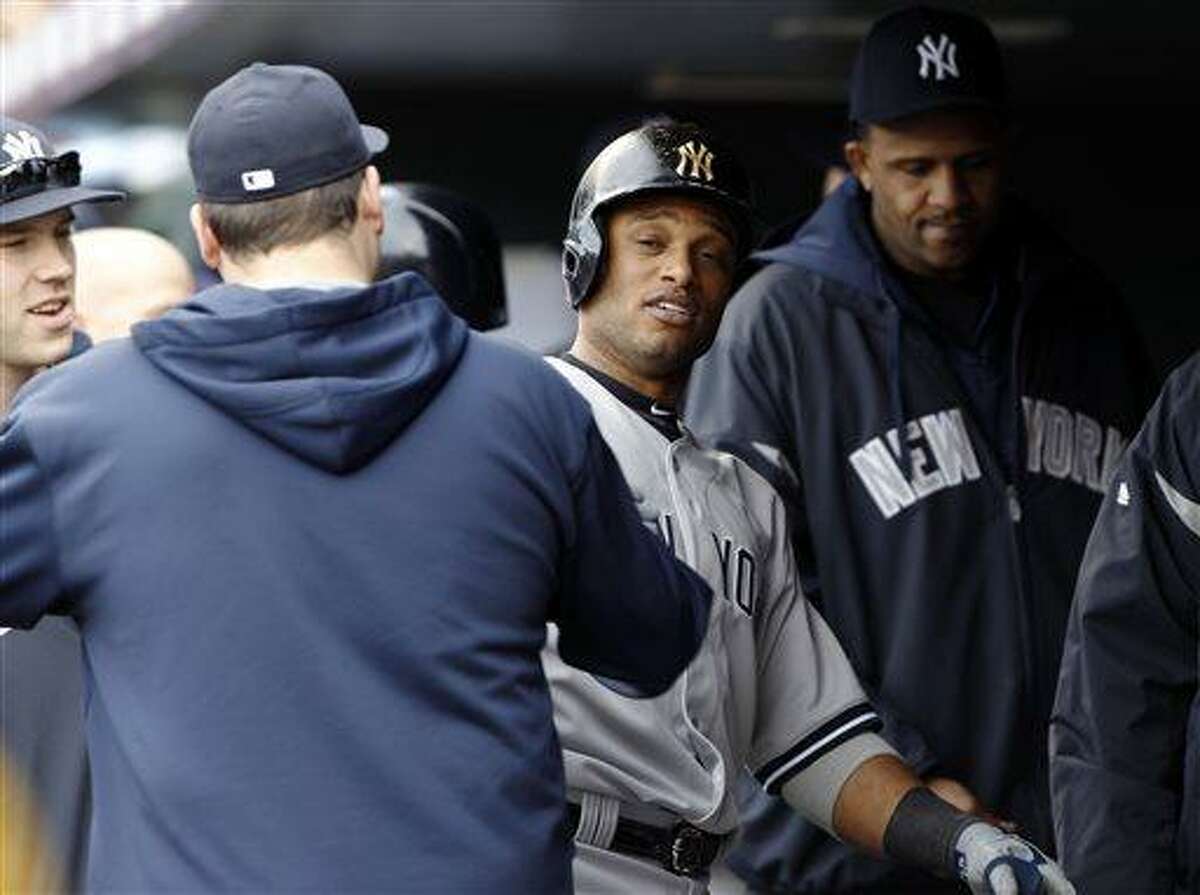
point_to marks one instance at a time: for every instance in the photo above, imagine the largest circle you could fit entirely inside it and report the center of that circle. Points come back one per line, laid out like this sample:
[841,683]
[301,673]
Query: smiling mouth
[947,226]
[50,307]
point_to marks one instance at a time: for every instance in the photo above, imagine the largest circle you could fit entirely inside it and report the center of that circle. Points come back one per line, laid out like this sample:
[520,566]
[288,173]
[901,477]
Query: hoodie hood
[330,375]
[836,242]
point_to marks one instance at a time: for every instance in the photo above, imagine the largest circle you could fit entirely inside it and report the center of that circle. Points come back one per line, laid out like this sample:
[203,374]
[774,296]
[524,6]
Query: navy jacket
[312,540]
[946,577]
[1125,735]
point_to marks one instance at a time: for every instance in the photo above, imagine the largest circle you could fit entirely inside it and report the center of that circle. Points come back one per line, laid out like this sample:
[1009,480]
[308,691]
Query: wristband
[923,830]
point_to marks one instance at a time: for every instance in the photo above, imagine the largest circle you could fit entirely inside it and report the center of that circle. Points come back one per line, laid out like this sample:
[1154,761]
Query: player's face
[668,271]
[935,185]
[37,284]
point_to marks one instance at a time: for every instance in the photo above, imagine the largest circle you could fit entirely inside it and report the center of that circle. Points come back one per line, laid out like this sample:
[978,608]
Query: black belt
[682,849]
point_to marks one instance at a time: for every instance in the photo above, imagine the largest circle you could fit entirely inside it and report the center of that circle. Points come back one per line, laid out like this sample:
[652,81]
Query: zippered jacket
[312,539]
[946,576]
[1125,734]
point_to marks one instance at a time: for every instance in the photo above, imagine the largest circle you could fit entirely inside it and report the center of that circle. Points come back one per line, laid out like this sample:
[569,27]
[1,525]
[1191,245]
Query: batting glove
[993,862]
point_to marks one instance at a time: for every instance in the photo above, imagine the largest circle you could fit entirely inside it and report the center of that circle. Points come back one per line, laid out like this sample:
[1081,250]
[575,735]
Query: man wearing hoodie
[41,677]
[941,391]
[316,530]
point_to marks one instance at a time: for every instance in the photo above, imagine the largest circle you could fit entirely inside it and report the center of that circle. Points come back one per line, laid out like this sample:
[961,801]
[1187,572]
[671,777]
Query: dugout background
[498,100]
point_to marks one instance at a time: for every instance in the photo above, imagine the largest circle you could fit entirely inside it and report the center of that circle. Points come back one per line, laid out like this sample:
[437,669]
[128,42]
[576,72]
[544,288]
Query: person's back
[317,532]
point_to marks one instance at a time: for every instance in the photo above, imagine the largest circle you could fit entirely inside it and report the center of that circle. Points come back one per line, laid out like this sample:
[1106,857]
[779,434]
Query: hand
[993,862]
[964,800]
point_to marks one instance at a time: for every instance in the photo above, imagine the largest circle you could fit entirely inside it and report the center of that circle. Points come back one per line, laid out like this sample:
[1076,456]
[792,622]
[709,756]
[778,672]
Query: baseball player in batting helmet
[660,221]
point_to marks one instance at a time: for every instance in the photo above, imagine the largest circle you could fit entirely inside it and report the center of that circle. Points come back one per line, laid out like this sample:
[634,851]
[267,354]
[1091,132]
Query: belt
[682,849]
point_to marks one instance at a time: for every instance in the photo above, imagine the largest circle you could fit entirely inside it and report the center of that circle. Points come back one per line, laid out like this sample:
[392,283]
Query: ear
[370,200]
[206,240]
[857,153]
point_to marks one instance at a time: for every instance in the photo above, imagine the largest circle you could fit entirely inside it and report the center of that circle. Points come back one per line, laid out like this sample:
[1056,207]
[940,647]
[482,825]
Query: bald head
[123,275]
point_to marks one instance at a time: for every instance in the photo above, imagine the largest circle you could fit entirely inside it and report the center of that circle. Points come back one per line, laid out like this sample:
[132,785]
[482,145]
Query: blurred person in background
[313,529]
[41,704]
[450,241]
[941,389]
[29,861]
[123,276]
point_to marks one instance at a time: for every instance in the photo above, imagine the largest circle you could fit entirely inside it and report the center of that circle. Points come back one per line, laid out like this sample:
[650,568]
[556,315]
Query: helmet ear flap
[578,269]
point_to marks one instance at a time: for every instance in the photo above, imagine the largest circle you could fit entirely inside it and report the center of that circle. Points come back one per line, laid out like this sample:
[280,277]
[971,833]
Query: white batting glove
[993,862]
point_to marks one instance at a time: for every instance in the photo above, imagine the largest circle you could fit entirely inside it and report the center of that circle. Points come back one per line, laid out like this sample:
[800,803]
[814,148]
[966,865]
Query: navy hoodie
[312,539]
[945,569]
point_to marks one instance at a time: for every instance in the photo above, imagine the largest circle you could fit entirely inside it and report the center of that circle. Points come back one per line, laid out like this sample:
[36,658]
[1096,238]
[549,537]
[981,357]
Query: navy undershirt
[664,419]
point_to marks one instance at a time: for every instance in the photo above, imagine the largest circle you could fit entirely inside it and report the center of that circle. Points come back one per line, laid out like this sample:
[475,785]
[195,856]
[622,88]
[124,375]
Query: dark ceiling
[717,50]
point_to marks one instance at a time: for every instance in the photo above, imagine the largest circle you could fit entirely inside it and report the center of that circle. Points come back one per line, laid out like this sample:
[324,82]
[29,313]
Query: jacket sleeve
[1129,672]
[737,402]
[29,577]
[628,610]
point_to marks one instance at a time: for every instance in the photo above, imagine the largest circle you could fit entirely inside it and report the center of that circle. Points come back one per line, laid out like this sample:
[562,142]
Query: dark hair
[247,227]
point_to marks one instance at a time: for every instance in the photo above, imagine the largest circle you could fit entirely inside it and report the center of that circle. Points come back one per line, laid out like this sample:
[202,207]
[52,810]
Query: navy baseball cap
[273,130]
[34,180]
[921,58]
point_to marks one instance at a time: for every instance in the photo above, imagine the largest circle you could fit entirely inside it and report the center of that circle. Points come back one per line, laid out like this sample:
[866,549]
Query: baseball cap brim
[375,138]
[52,200]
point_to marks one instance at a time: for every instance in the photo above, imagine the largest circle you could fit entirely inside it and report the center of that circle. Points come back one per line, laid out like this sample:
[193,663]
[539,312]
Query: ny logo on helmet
[699,157]
[940,56]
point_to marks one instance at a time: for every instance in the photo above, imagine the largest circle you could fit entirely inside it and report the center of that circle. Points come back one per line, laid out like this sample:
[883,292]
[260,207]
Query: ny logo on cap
[22,145]
[700,158]
[940,56]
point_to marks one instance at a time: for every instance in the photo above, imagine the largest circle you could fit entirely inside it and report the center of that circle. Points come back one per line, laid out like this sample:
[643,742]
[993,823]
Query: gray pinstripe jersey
[770,688]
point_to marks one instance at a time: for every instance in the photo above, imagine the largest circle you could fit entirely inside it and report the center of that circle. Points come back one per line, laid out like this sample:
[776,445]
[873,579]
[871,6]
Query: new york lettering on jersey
[736,562]
[1060,442]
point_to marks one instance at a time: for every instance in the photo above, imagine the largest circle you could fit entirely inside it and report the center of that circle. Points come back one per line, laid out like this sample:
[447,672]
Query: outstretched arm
[628,610]
[29,579]
[883,809]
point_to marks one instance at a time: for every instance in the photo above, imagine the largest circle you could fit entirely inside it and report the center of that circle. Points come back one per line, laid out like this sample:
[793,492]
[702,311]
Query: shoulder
[1050,265]
[777,284]
[1177,409]
[102,373]
[507,369]
[505,379]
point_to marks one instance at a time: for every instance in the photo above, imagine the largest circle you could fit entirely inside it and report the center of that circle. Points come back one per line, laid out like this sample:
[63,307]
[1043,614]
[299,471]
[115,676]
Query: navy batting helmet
[659,156]
[449,241]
